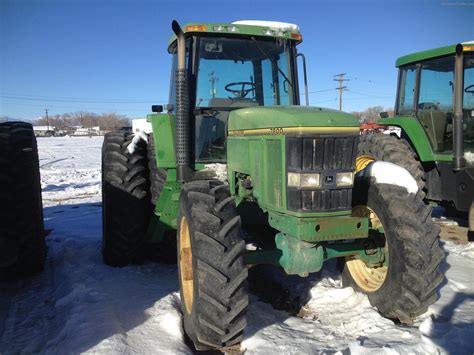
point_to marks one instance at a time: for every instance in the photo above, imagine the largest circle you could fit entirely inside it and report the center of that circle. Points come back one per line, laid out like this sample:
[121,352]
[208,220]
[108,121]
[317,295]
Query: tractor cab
[427,91]
[233,66]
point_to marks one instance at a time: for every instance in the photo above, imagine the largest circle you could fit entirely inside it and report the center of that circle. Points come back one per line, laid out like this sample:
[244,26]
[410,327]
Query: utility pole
[47,119]
[82,124]
[340,78]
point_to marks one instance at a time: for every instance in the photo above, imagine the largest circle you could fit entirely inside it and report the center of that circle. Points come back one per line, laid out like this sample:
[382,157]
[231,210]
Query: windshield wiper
[274,62]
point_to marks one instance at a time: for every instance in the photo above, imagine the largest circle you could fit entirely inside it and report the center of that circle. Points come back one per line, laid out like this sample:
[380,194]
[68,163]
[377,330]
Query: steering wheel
[469,89]
[242,90]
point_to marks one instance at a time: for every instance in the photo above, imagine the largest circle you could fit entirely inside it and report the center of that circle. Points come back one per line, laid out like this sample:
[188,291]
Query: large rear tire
[213,277]
[404,287]
[383,147]
[22,242]
[126,201]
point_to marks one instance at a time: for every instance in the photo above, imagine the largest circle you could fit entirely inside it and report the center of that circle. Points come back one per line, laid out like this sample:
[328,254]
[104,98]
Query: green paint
[357,249]
[299,257]
[167,207]
[164,132]
[431,53]
[247,30]
[428,54]
[320,229]
[417,135]
[288,116]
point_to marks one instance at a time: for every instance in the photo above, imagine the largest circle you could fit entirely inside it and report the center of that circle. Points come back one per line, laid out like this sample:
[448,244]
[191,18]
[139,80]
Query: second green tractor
[242,175]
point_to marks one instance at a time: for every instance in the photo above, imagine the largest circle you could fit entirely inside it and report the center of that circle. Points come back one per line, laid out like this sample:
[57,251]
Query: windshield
[243,72]
[232,74]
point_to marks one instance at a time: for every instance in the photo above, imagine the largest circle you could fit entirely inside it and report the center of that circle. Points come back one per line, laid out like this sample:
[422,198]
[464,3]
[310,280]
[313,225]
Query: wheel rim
[186,265]
[369,279]
[362,161]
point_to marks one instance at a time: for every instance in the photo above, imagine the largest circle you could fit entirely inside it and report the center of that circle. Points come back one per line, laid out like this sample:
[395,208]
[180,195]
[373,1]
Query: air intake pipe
[458,145]
[183,166]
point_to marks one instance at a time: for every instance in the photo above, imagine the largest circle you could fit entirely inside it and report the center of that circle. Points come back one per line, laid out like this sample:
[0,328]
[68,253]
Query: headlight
[303,180]
[345,179]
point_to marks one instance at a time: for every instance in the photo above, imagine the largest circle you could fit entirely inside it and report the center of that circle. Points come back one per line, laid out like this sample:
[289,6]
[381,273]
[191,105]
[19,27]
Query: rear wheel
[401,227]
[126,206]
[212,275]
[22,242]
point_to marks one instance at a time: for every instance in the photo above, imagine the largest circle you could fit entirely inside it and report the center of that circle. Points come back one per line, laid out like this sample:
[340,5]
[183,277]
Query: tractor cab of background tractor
[439,91]
[434,113]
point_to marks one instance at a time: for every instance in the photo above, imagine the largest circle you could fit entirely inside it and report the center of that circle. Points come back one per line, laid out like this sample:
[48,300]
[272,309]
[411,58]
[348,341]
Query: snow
[283,26]
[80,305]
[389,173]
[469,156]
[141,124]
[137,137]
[219,169]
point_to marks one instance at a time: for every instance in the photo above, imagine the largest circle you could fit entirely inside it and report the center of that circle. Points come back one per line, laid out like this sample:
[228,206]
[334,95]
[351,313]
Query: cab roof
[246,27]
[433,53]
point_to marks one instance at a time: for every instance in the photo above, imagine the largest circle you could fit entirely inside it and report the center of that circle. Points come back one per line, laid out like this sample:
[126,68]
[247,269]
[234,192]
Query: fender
[417,137]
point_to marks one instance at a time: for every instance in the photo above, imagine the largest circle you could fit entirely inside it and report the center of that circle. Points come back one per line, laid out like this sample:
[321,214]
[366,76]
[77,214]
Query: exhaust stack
[458,147]
[183,165]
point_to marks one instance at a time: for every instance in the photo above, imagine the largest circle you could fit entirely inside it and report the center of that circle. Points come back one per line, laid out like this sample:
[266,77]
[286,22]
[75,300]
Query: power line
[75,99]
[340,79]
[69,107]
[370,95]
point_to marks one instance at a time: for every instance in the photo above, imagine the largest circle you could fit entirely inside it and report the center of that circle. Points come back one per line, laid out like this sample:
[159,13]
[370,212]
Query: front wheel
[407,282]
[212,275]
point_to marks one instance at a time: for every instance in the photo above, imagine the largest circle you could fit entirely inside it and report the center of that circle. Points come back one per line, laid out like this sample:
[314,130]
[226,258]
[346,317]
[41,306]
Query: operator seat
[435,123]
[212,128]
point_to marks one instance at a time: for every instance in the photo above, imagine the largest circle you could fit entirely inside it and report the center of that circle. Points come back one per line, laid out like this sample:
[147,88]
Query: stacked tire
[22,242]
[126,199]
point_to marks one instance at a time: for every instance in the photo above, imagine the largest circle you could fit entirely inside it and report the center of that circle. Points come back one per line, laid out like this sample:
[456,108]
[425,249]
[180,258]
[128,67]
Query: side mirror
[383,114]
[157,108]
[169,107]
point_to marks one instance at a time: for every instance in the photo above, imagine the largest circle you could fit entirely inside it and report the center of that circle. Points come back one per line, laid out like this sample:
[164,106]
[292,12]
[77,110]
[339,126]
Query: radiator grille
[326,155]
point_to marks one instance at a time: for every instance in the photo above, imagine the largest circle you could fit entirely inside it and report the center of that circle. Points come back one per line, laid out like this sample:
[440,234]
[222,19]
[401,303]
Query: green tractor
[241,174]
[22,237]
[434,115]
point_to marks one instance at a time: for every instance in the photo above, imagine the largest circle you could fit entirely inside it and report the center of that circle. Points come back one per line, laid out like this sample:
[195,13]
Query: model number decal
[276,131]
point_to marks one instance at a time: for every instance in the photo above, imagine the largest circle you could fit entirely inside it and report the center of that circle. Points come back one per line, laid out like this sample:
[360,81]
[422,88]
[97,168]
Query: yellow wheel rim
[186,265]
[369,279]
[362,161]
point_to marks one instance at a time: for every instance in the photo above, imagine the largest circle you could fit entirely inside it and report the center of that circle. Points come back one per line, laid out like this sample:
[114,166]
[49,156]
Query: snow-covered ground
[81,305]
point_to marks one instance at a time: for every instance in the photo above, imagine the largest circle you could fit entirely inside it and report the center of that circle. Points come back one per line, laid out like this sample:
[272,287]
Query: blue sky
[103,56]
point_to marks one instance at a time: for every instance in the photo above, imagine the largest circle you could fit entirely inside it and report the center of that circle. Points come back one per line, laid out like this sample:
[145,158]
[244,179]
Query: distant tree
[371,114]
[106,121]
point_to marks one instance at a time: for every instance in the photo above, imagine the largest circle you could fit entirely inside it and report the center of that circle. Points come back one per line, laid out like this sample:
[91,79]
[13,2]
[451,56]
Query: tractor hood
[288,116]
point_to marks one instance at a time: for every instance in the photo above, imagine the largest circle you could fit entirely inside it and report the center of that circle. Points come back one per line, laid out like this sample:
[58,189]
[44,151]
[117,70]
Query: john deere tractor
[434,114]
[242,175]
